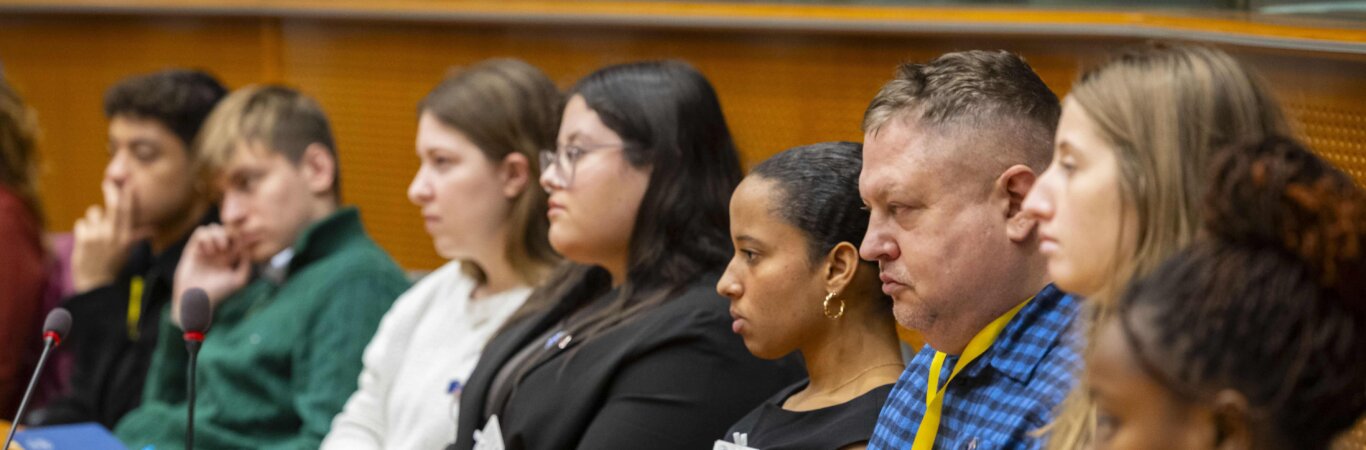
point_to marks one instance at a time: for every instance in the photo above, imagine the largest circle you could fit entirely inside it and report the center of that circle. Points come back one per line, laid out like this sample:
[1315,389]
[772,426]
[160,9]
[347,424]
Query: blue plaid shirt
[1004,396]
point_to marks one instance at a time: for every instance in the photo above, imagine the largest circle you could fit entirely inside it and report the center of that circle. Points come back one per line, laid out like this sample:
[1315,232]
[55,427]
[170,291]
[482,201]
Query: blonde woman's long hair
[1164,108]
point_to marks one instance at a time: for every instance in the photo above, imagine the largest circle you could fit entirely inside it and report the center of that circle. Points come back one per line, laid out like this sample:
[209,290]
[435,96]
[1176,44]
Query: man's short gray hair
[991,92]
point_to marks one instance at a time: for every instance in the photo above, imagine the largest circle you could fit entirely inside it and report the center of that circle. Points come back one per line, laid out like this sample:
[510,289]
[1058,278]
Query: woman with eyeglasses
[478,134]
[628,346]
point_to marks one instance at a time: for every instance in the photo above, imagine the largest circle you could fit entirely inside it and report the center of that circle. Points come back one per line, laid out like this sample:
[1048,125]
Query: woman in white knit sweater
[479,134]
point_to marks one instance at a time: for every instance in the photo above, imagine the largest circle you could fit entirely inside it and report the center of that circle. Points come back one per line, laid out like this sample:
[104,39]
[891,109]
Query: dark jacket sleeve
[674,398]
[672,378]
[686,391]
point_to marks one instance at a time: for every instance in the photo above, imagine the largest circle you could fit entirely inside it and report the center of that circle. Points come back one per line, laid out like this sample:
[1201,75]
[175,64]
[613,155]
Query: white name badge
[741,441]
[489,438]
[723,445]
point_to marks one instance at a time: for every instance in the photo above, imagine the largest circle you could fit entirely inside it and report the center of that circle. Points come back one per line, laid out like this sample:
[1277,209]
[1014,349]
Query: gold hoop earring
[825,307]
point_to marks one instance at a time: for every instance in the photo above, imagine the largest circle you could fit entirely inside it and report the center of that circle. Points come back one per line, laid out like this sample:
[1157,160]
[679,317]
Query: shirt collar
[318,239]
[1030,336]
[277,268]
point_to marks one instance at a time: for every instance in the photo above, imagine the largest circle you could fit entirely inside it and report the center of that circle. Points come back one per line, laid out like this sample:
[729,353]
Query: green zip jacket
[283,353]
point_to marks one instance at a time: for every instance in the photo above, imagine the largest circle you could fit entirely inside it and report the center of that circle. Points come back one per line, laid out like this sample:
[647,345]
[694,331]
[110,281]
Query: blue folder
[80,436]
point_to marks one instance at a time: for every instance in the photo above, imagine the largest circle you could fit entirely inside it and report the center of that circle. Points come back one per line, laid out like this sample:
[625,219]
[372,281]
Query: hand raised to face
[104,237]
[213,261]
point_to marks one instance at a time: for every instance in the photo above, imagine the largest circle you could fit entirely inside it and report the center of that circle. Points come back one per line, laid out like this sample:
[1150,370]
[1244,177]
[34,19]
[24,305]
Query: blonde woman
[1125,185]
[478,136]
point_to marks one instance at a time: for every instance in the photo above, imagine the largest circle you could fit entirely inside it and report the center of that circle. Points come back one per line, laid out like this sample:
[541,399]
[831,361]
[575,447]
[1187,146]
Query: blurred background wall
[787,74]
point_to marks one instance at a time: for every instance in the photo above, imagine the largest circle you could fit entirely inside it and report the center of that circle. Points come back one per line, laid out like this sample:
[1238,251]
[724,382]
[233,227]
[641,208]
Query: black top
[672,377]
[110,361]
[770,427]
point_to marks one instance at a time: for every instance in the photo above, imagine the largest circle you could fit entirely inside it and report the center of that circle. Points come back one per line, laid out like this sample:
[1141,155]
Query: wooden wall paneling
[1326,98]
[779,88]
[369,82]
[63,65]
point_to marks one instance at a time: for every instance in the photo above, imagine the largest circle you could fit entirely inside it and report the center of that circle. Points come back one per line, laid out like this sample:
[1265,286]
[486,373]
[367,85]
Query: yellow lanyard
[134,306]
[934,394]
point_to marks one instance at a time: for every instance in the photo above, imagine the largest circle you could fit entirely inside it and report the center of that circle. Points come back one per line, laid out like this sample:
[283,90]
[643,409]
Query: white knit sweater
[431,337]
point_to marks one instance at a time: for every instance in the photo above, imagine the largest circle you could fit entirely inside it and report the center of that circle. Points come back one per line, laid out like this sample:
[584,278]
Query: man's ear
[1230,413]
[515,174]
[319,168]
[1011,189]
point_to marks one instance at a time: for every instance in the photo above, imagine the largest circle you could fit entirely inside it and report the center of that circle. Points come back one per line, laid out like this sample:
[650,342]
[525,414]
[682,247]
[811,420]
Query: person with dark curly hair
[1254,337]
[126,252]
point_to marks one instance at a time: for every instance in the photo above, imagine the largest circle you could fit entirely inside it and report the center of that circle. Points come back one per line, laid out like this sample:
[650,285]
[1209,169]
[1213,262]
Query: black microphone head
[58,321]
[195,312]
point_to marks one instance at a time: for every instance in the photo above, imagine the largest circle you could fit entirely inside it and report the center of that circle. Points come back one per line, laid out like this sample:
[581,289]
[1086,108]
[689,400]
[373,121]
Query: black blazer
[674,377]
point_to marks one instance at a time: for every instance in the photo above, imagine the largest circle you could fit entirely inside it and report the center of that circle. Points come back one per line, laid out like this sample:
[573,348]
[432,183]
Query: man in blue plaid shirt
[951,148]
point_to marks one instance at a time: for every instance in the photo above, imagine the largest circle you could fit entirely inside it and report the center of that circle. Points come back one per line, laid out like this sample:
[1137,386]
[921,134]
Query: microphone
[195,317]
[56,326]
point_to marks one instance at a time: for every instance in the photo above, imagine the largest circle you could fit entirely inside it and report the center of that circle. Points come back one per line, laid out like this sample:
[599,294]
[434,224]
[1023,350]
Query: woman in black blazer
[629,346]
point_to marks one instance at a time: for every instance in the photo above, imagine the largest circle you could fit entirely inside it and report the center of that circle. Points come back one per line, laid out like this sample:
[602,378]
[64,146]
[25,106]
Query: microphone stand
[195,315]
[50,341]
[193,339]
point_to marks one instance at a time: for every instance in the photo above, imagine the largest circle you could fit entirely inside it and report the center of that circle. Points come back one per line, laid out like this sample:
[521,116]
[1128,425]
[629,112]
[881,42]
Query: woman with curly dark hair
[1254,337]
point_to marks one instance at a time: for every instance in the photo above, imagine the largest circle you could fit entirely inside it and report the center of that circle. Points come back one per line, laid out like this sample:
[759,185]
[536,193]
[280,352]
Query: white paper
[489,438]
[723,445]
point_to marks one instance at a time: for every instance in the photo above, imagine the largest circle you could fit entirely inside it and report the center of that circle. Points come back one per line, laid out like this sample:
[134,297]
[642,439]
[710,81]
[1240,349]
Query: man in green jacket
[297,288]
